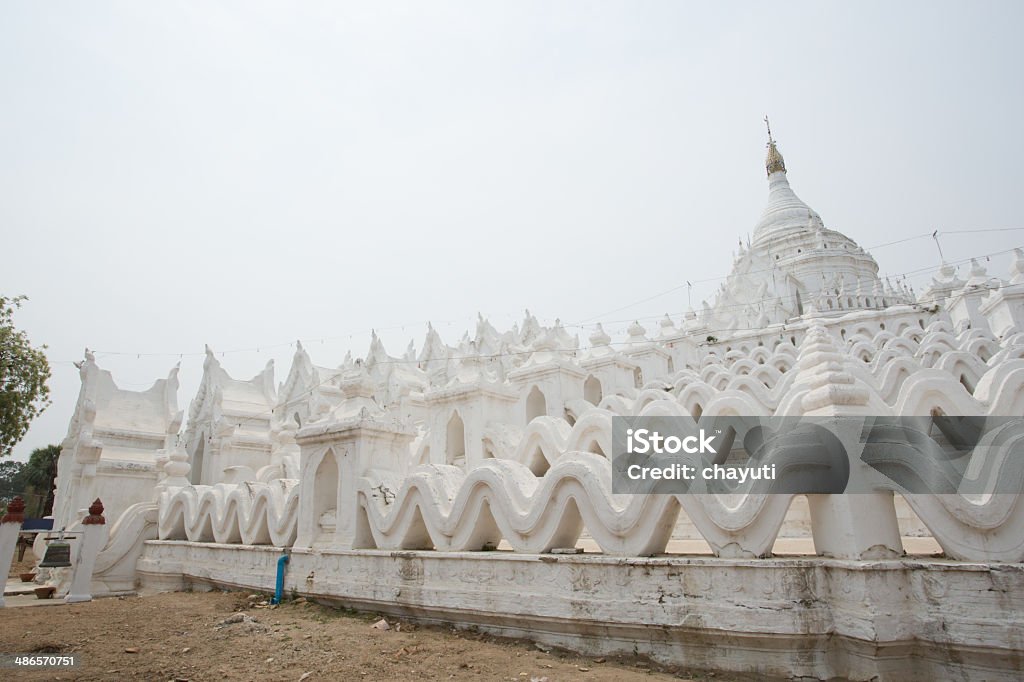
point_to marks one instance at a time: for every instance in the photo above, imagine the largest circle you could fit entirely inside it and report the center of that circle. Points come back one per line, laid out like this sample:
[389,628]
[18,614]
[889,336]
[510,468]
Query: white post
[855,526]
[10,527]
[92,542]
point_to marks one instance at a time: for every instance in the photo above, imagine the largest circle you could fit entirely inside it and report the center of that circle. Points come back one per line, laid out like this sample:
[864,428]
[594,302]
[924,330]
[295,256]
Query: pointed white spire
[598,337]
[637,333]
[1017,269]
[979,275]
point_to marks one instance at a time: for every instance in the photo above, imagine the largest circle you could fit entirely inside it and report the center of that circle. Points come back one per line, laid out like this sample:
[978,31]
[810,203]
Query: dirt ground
[190,636]
[19,567]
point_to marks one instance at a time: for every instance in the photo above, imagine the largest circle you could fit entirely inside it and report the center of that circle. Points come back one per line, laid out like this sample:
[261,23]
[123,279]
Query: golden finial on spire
[774,162]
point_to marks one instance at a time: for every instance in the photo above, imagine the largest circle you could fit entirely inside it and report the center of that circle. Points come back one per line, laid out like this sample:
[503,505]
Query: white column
[94,535]
[855,526]
[10,526]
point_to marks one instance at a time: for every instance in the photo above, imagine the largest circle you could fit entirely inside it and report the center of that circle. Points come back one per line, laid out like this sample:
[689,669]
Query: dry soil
[191,636]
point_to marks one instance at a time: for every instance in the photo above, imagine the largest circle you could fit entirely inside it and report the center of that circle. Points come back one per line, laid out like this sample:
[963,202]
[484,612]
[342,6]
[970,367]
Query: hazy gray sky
[244,174]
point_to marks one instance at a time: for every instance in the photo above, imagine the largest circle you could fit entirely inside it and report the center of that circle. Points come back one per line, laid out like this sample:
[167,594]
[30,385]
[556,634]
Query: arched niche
[592,391]
[536,404]
[196,473]
[326,482]
[455,441]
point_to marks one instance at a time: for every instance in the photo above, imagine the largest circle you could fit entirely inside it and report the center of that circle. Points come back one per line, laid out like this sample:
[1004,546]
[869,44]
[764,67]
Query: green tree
[23,374]
[12,481]
[40,473]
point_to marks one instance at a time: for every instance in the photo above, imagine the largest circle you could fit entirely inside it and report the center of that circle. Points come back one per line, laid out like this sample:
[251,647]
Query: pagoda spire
[774,161]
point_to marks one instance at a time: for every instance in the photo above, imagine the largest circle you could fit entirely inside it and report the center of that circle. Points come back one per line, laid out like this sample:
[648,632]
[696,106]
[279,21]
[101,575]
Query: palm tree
[41,472]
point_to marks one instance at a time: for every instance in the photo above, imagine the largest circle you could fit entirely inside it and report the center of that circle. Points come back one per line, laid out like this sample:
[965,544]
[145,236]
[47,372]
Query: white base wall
[907,619]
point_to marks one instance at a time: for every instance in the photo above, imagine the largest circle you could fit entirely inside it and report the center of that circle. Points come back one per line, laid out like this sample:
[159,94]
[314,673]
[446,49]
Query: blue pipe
[282,561]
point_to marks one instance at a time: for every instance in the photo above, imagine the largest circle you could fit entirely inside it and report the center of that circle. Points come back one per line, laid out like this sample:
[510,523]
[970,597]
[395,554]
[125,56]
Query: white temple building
[385,476]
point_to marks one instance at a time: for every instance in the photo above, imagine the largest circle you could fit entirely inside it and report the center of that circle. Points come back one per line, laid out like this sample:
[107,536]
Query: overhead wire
[582,324]
[572,351]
